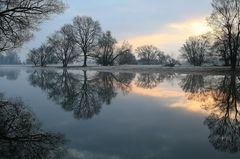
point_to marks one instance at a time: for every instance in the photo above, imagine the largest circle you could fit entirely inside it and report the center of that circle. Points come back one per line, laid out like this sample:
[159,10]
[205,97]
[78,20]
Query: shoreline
[140,69]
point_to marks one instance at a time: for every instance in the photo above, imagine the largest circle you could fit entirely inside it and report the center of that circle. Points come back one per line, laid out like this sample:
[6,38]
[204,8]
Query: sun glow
[173,35]
[200,28]
[192,27]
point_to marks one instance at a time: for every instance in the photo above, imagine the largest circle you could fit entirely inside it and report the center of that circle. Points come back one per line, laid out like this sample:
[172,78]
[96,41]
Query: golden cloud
[174,34]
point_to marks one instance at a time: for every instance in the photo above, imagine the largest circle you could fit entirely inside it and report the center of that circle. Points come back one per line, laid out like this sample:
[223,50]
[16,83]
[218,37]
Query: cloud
[173,35]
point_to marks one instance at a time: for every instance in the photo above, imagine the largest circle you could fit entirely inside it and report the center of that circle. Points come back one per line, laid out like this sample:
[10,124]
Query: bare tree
[161,57]
[122,51]
[64,45]
[147,53]
[44,53]
[105,49]
[170,61]
[107,52]
[225,20]
[40,55]
[18,18]
[127,59]
[220,48]
[195,49]
[32,57]
[86,33]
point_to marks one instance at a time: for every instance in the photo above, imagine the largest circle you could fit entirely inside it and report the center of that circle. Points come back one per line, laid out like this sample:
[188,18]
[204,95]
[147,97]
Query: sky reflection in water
[122,115]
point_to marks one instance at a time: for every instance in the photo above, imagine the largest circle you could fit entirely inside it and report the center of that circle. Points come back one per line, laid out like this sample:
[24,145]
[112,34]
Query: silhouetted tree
[32,57]
[107,53]
[105,49]
[18,18]
[220,48]
[127,59]
[161,57]
[147,54]
[63,45]
[40,55]
[195,50]
[86,34]
[170,61]
[225,20]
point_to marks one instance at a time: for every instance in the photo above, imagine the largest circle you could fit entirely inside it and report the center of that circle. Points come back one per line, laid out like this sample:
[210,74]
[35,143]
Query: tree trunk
[43,65]
[234,62]
[65,64]
[226,62]
[85,60]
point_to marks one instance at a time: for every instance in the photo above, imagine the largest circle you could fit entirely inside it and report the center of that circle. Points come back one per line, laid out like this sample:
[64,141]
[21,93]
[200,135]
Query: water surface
[74,114]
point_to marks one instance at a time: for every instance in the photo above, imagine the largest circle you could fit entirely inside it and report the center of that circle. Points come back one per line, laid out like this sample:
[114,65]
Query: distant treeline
[10,58]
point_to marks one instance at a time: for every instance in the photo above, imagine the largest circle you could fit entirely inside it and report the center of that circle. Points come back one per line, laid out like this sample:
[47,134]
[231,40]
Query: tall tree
[18,18]
[220,48]
[64,45]
[86,33]
[225,20]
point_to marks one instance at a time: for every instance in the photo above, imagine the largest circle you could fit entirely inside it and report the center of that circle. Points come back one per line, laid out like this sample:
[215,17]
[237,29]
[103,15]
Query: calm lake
[96,115]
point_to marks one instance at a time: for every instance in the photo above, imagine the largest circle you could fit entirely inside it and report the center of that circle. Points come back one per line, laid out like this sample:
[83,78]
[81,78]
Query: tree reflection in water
[82,93]
[223,121]
[151,80]
[21,136]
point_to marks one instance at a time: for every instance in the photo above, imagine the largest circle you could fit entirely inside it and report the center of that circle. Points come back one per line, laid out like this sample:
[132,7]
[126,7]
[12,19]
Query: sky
[165,24]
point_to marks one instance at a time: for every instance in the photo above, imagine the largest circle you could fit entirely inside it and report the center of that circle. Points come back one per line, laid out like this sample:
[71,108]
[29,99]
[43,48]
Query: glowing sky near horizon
[165,24]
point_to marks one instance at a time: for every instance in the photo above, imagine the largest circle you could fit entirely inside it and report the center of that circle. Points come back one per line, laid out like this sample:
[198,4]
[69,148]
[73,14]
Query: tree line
[85,39]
